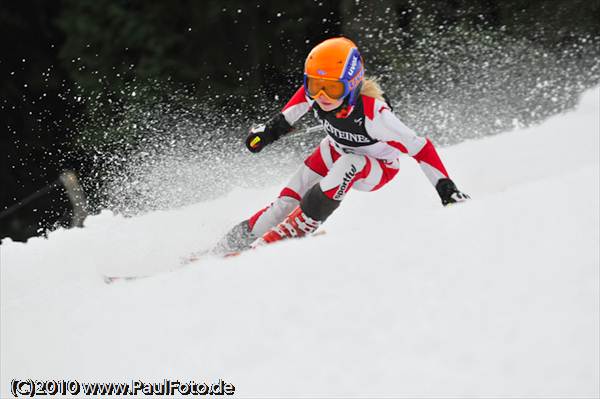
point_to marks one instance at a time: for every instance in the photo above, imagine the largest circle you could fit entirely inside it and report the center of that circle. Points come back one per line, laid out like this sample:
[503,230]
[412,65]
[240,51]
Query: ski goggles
[332,88]
[332,85]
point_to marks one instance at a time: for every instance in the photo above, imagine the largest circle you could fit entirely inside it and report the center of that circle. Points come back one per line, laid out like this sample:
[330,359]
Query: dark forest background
[69,69]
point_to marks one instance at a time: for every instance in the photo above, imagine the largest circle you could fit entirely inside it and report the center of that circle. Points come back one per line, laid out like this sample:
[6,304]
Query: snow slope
[496,297]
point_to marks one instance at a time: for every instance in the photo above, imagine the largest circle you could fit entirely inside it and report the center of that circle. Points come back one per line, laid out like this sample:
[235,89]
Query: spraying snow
[495,297]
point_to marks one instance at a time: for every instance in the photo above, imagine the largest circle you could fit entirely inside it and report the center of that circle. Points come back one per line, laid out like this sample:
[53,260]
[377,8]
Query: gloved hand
[263,135]
[449,193]
[258,138]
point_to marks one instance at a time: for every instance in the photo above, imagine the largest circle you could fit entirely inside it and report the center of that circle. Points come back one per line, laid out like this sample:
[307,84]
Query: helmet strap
[353,95]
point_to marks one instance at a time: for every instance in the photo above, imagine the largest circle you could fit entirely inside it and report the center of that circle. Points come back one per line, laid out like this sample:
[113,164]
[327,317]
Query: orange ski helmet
[334,67]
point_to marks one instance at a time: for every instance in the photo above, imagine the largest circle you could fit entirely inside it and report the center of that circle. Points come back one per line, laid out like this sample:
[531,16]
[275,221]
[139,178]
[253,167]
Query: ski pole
[311,129]
[308,130]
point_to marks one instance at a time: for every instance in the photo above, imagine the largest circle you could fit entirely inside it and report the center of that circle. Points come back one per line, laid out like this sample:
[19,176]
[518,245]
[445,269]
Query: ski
[112,279]
[185,262]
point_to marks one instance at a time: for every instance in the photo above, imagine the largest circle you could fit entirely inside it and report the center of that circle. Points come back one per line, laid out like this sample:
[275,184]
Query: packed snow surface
[495,297]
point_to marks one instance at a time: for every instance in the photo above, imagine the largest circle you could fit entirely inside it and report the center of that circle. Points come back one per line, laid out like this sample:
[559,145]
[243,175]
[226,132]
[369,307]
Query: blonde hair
[371,88]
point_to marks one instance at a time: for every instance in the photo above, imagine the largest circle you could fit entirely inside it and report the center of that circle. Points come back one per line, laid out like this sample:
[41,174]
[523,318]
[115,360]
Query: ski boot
[236,240]
[296,224]
[305,219]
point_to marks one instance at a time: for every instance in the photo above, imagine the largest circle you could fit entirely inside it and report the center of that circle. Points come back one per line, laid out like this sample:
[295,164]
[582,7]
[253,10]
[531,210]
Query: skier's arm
[280,124]
[396,134]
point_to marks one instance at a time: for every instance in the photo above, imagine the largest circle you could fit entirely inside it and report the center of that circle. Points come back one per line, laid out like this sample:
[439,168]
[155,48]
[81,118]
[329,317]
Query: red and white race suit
[361,150]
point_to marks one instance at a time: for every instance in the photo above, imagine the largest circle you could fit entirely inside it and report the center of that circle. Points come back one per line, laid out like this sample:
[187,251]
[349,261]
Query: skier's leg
[321,200]
[381,173]
[244,233]
[364,173]
[288,199]
[346,170]
[360,172]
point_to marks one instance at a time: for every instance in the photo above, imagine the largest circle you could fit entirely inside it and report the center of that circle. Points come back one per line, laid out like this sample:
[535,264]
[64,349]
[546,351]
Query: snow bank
[495,297]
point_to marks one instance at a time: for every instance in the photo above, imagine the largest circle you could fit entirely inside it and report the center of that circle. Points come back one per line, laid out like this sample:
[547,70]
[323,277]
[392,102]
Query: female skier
[362,148]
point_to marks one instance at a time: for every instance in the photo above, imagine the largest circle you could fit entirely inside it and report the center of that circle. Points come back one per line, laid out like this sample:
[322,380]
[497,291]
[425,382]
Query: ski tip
[109,279]
[114,279]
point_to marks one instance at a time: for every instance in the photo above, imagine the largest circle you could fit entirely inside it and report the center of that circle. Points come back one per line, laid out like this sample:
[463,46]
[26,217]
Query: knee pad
[317,205]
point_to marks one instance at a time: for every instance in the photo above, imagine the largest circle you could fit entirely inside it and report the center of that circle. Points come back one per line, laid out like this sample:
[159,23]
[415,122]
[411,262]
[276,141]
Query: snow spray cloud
[449,83]
[454,82]
[172,150]
[471,85]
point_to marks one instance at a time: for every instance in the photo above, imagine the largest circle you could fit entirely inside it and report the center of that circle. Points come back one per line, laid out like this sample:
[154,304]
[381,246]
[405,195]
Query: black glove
[263,135]
[449,193]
